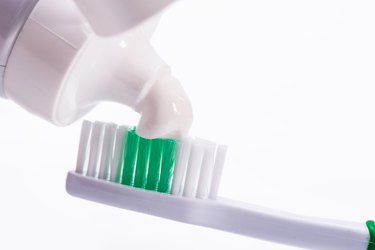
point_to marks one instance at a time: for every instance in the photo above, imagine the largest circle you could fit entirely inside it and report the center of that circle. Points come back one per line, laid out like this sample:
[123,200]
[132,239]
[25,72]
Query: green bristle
[154,168]
[130,158]
[147,164]
[143,157]
[167,165]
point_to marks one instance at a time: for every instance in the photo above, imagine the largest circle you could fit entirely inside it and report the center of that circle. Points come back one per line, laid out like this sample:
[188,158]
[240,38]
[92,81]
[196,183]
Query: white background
[288,85]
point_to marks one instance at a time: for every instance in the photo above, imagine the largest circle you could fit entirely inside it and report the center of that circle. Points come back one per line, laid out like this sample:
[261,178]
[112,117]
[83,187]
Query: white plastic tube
[59,69]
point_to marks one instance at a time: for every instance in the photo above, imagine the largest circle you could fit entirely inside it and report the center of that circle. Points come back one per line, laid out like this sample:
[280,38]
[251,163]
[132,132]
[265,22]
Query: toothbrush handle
[231,216]
[285,228]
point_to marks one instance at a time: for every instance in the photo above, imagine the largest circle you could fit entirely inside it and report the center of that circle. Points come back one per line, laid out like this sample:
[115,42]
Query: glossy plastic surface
[13,15]
[42,57]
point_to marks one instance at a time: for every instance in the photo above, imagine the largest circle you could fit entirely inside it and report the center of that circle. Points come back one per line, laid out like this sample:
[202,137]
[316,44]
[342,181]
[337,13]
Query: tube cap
[13,15]
[42,57]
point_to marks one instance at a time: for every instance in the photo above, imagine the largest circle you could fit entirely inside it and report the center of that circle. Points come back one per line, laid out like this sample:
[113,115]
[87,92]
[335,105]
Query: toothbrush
[179,180]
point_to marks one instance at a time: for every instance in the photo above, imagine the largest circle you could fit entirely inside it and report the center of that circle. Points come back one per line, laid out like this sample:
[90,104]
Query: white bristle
[182,160]
[206,169]
[95,148]
[83,146]
[107,150]
[117,152]
[218,170]
[194,167]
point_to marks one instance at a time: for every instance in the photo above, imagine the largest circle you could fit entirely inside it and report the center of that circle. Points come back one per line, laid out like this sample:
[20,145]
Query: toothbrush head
[188,167]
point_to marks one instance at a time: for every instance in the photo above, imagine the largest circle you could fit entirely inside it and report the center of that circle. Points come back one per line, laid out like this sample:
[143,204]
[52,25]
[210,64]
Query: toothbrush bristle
[189,167]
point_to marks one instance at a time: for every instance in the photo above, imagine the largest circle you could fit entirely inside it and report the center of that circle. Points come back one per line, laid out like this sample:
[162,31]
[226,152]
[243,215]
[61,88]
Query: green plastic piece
[371,228]
[130,158]
[143,158]
[167,165]
[154,168]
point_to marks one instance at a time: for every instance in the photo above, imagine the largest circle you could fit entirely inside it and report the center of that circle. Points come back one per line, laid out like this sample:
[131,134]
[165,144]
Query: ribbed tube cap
[41,58]
[13,15]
